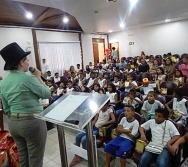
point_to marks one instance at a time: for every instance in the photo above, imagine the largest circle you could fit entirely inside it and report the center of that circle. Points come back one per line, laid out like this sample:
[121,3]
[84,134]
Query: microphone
[32,70]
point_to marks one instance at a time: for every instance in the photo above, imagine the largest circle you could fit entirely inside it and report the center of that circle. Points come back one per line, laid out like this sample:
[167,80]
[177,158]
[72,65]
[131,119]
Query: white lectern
[75,106]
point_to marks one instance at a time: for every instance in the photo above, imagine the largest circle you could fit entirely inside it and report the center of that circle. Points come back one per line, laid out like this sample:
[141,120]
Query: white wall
[158,39]
[50,36]
[87,47]
[22,36]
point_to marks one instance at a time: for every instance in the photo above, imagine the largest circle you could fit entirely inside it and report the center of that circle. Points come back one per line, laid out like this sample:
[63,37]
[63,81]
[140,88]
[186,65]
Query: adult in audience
[153,68]
[20,93]
[71,69]
[143,67]
[184,67]
[44,66]
[142,55]
[169,68]
[122,64]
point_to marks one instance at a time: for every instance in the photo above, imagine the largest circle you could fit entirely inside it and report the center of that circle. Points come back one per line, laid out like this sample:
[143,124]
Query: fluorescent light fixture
[167,20]
[29,15]
[110,31]
[133,2]
[65,20]
[122,25]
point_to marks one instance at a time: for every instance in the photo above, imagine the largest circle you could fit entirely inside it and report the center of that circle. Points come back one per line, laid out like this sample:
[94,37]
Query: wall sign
[131,43]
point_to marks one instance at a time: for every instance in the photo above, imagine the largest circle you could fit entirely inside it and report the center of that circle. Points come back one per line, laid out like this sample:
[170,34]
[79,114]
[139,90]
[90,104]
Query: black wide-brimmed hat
[12,54]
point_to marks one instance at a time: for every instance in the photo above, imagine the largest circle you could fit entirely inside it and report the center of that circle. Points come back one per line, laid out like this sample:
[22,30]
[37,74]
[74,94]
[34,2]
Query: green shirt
[20,93]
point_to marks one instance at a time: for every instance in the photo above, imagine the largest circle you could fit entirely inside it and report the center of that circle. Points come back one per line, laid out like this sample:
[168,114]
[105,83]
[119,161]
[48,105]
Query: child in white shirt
[57,78]
[69,87]
[150,105]
[111,92]
[101,81]
[103,118]
[159,126]
[180,105]
[96,89]
[116,82]
[91,80]
[61,89]
[120,145]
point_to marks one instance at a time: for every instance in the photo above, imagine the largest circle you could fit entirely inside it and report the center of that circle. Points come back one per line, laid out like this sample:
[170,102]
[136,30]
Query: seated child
[178,78]
[159,126]
[57,78]
[179,105]
[101,81]
[82,80]
[91,80]
[48,77]
[61,89]
[150,105]
[74,78]
[130,99]
[69,87]
[103,118]
[128,128]
[111,92]
[128,69]
[116,82]
[145,88]
[129,83]
[87,73]
[96,89]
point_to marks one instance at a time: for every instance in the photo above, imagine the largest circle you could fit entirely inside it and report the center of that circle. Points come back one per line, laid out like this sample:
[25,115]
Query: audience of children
[94,80]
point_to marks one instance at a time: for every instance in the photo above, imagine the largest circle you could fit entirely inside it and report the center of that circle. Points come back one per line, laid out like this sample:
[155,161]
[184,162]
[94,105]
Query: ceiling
[12,13]
[95,16]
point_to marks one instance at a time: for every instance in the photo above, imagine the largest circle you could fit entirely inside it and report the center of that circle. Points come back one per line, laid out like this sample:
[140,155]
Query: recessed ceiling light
[65,20]
[110,31]
[122,25]
[29,15]
[167,20]
[133,2]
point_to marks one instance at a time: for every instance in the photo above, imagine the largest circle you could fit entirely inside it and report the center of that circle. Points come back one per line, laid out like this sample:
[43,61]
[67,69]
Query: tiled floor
[52,153]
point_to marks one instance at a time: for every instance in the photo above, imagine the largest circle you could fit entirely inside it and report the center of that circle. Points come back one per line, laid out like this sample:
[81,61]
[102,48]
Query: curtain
[60,56]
